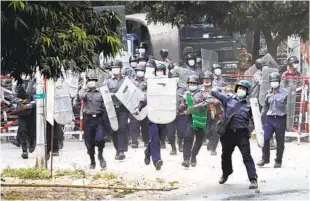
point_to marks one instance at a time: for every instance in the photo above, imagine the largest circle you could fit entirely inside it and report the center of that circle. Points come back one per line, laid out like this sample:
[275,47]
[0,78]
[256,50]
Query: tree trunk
[256,43]
[272,49]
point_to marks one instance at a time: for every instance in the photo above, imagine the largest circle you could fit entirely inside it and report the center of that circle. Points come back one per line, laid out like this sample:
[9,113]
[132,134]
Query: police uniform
[200,104]
[179,124]
[218,80]
[237,133]
[134,124]
[93,121]
[191,64]
[119,137]
[275,121]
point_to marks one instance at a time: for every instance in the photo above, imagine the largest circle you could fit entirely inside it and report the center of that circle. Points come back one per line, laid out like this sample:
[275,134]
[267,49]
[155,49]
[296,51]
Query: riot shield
[108,103]
[290,107]
[184,74]
[265,86]
[208,57]
[130,95]
[270,61]
[161,100]
[72,80]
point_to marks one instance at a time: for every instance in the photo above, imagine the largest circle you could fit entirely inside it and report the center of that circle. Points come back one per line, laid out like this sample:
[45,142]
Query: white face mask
[274,84]
[192,88]
[25,77]
[191,62]
[133,64]
[217,71]
[140,74]
[142,51]
[295,66]
[91,84]
[241,93]
[159,73]
[116,71]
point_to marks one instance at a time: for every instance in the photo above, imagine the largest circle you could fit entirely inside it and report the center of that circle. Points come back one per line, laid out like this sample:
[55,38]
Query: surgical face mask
[274,84]
[191,62]
[295,66]
[91,84]
[116,71]
[142,51]
[193,88]
[217,71]
[159,73]
[133,64]
[25,77]
[140,74]
[241,93]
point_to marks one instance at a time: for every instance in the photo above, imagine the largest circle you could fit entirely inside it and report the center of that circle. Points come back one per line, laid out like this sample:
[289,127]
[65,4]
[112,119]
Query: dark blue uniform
[237,133]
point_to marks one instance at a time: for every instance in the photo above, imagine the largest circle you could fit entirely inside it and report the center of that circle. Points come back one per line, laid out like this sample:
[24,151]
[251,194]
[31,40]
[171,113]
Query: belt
[277,117]
[237,130]
[94,115]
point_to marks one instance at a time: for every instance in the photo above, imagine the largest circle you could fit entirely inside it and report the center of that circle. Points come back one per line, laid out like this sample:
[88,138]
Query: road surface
[291,182]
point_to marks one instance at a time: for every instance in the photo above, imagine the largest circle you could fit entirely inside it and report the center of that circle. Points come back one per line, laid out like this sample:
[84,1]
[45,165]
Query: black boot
[103,164]
[135,145]
[223,179]
[32,146]
[193,161]
[147,159]
[253,184]
[277,165]
[120,156]
[185,163]
[25,155]
[261,163]
[158,164]
[213,153]
[92,162]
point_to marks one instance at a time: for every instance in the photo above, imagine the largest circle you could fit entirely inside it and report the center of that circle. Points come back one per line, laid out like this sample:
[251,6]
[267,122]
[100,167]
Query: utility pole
[40,121]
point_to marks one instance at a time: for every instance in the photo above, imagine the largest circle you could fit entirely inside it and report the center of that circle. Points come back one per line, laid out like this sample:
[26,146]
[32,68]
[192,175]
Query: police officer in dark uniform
[191,63]
[238,132]
[190,152]
[93,120]
[275,119]
[120,137]
[214,113]
[134,124]
[179,124]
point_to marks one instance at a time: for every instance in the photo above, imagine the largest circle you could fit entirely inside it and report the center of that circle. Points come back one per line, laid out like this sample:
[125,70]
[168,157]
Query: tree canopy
[51,34]
[276,20]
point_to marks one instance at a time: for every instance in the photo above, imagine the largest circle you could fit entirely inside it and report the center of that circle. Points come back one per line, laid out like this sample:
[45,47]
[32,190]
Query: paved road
[291,182]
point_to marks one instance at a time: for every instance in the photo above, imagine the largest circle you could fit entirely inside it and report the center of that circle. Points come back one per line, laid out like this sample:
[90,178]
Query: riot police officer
[292,64]
[120,137]
[164,55]
[196,121]
[134,124]
[214,113]
[150,68]
[191,63]
[275,122]
[257,78]
[93,120]
[133,61]
[218,81]
[237,109]
[179,124]
[155,131]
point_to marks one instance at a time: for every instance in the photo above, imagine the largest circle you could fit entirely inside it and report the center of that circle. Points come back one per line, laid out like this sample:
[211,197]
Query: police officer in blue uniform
[179,124]
[120,137]
[155,131]
[238,132]
[275,119]
[134,124]
[93,120]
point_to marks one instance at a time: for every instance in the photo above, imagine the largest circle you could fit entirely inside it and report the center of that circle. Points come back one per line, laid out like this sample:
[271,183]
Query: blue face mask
[241,93]
[192,88]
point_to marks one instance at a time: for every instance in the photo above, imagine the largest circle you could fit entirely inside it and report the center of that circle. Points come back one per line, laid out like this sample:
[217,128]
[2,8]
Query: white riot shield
[72,80]
[208,57]
[257,122]
[161,100]
[265,86]
[270,61]
[130,95]
[108,103]
[50,99]
[291,107]
[63,113]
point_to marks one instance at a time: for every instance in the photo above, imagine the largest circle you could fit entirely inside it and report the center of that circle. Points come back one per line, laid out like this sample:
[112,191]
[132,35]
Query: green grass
[72,173]
[27,173]
[105,176]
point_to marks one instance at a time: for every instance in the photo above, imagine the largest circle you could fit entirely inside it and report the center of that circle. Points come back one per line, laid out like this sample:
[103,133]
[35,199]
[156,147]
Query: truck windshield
[203,32]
